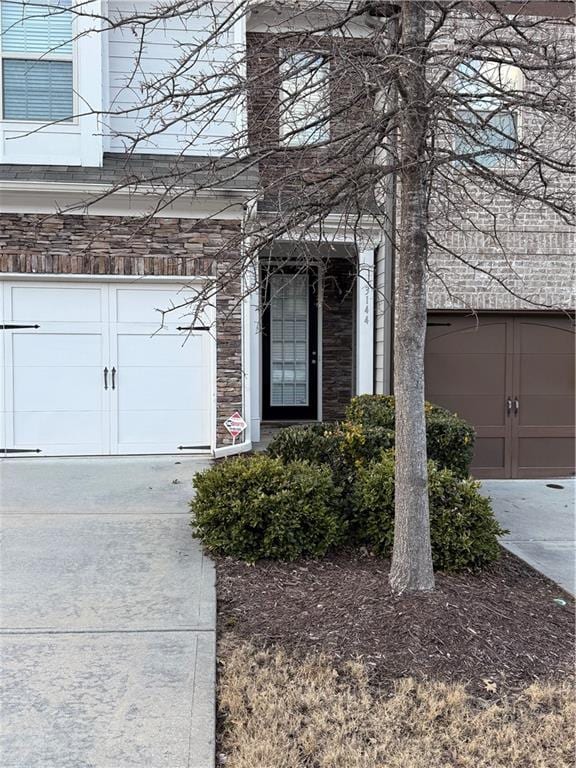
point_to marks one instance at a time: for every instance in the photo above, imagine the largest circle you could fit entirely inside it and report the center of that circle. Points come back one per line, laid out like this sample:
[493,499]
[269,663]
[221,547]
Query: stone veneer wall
[337,338]
[103,245]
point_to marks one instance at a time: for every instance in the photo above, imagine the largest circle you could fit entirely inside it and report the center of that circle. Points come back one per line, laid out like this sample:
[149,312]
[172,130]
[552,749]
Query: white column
[365,323]
[255,363]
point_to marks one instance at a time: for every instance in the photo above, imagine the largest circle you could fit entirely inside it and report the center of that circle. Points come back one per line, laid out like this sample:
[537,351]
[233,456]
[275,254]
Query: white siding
[134,113]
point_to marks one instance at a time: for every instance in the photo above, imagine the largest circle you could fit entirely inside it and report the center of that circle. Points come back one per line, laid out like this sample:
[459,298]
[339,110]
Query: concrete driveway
[540,517]
[107,616]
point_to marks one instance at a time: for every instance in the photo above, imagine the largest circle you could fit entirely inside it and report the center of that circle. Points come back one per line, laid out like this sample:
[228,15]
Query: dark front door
[512,378]
[290,354]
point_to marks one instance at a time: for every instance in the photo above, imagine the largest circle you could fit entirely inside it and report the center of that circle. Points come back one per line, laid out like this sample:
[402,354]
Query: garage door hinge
[20,450]
[12,327]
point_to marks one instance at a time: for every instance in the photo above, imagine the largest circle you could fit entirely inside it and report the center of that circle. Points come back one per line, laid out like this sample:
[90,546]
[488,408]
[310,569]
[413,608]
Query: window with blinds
[289,340]
[304,99]
[37,69]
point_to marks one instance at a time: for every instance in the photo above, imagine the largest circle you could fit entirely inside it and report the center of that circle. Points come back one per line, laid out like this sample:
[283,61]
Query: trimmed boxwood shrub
[343,447]
[260,507]
[449,439]
[463,528]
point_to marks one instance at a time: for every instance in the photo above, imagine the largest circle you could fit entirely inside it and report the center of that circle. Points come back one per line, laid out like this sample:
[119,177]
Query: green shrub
[462,526]
[258,507]
[343,447]
[449,439]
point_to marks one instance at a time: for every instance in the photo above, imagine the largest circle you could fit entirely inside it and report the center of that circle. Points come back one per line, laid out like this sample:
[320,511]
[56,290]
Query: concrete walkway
[540,517]
[107,616]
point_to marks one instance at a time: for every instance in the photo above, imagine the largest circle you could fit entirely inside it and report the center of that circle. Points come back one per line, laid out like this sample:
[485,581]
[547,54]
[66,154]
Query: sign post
[235,424]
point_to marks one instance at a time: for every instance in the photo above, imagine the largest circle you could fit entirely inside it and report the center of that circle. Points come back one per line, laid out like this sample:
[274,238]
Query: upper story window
[488,125]
[304,99]
[37,60]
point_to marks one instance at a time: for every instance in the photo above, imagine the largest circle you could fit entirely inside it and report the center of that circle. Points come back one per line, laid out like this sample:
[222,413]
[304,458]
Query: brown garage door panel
[545,456]
[460,334]
[546,411]
[481,410]
[512,377]
[489,454]
[451,374]
[540,335]
[546,374]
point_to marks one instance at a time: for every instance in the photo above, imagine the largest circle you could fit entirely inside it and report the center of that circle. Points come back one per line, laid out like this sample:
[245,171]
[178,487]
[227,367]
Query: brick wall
[530,265]
[100,245]
[316,172]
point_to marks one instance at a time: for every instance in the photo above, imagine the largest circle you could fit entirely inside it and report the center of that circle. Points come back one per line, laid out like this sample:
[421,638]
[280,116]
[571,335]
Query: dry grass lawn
[290,712]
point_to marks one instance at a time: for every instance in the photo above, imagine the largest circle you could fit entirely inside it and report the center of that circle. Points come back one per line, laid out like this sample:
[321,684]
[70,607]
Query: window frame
[503,161]
[51,55]
[300,136]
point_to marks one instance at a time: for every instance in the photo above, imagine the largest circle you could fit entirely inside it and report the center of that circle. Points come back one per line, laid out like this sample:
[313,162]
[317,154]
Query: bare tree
[342,100]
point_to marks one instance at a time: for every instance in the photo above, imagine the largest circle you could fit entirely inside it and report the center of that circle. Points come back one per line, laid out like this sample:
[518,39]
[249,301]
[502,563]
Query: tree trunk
[412,556]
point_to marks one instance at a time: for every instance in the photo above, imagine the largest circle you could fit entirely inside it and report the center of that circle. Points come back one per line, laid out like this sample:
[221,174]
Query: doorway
[290,346]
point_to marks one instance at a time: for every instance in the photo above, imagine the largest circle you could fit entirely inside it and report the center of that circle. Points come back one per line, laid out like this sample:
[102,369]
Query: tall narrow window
[304,99]
[488,128]
[37,69]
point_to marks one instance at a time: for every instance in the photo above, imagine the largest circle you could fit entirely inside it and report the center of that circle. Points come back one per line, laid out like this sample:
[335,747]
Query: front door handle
[516,406]
[508,406]
[105,378]
[113,378]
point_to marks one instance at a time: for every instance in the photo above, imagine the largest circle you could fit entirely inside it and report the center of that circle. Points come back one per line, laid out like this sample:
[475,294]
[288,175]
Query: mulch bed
[501,625]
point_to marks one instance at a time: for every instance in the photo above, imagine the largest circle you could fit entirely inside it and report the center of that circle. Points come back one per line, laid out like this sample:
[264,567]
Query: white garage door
[88,370]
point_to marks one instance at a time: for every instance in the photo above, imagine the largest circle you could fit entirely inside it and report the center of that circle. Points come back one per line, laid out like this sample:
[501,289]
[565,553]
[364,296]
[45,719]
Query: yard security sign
[235,424]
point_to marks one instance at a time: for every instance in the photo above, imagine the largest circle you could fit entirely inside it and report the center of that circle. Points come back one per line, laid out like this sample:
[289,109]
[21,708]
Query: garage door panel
[53,303]
[490,453]
[550,452]
[167,388]
[56,350]
[143,304]
[546,374]
[48,429]
[485,338]
[473,374]
[47,388]
[546,411]
[163,389]
[483,411]
[551,337]
[140,428]
[163,349]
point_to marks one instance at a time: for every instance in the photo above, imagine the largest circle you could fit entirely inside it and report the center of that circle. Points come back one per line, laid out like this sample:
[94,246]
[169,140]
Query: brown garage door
[512,377]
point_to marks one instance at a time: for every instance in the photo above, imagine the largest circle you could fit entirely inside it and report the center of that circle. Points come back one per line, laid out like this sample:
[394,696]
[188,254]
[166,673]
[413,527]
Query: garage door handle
[508,406]
[113,378]
[516,406]
[105,378]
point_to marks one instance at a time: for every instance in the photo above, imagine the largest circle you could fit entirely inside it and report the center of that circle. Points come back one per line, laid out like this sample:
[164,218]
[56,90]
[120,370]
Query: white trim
[365,323]
[77,203]
[58,277]
[232,450]
[319,355]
